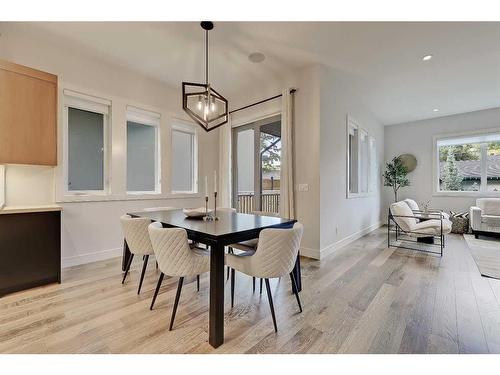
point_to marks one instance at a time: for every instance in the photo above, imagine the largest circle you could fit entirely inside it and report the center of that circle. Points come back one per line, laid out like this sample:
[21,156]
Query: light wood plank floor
[365,298]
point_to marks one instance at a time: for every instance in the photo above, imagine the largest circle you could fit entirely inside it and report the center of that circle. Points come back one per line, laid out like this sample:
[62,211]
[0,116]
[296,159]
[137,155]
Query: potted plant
[396,176]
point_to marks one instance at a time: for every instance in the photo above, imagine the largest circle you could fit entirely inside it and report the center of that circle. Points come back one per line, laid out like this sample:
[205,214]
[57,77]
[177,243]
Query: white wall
[417,138]
[90,230]
[343,219]
[322,102]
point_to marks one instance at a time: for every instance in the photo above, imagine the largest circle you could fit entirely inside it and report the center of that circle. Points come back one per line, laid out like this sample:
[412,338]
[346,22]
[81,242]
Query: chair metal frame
[395,228]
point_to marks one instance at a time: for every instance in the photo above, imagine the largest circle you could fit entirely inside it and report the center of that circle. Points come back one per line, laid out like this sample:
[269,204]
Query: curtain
[225,164]
[287,208]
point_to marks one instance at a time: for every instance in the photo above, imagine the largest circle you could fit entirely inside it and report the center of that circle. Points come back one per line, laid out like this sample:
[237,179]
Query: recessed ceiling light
[256,57]
[427,57]
[435,110]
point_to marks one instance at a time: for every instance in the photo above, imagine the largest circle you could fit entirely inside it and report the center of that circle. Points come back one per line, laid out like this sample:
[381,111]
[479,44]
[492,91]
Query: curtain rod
[292,91]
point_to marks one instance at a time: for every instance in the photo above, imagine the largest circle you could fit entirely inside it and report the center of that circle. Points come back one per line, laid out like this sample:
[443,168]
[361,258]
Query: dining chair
[135,231]
[176,259]
[277,252]
[249,247]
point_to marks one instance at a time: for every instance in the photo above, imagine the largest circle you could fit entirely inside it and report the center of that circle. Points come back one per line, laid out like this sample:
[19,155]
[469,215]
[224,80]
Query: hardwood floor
[365,298]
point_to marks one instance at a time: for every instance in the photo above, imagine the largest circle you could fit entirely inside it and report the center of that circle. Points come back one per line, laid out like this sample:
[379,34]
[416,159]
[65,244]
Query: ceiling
[382,60]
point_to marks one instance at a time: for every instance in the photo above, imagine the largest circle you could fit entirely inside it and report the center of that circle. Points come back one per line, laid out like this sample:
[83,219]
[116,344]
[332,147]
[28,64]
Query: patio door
[257,166]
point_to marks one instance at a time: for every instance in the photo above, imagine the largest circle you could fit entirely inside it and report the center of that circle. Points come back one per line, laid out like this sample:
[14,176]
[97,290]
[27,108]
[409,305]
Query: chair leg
[156,265]
[253,284]
[294,284]
[197,283]
[146,258]
[229,251]
[128,267]
[177,296]
[270,298]
[260,286]
[232,287]
[157,290]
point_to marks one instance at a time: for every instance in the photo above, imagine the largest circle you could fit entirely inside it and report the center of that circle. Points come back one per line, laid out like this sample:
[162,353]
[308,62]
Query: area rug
[486,253]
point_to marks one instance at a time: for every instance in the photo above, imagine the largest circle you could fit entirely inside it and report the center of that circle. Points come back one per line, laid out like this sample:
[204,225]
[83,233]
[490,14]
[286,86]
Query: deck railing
[270,201]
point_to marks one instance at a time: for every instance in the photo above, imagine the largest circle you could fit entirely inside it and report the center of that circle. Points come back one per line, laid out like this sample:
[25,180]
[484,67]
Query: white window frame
[94,104]
[371,187]
[149,118]
[189,128]
[484,133]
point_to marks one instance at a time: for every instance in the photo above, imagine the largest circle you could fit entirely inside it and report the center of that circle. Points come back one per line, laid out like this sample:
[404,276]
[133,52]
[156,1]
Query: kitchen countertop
[27,209]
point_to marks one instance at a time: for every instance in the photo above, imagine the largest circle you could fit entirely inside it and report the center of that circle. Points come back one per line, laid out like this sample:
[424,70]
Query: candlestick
[215,207]
[215,181]
[206,187]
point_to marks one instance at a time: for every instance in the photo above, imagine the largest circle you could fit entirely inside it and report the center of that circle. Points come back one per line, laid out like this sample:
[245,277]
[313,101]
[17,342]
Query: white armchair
[422,228]
[485,216]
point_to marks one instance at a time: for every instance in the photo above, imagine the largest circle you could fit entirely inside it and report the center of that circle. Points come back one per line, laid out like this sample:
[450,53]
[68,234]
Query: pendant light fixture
[200,100]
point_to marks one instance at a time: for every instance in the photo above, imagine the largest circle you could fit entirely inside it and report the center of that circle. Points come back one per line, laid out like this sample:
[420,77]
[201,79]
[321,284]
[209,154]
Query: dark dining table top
[229,223]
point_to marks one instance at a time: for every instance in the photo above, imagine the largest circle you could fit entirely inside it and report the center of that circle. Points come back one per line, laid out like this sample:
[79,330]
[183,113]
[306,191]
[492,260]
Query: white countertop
[26,209]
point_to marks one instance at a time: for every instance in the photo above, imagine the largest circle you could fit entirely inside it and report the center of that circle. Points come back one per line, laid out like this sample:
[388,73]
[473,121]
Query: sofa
[485,217]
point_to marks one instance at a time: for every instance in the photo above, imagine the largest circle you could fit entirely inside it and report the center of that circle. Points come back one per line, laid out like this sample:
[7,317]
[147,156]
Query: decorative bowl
[197,213]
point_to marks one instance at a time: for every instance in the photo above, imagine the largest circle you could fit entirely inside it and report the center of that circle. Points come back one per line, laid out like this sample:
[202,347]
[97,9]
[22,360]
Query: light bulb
[212,105]
[199,105]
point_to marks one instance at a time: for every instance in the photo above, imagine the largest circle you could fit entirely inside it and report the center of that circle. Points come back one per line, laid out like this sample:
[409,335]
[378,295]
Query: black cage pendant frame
[206,91]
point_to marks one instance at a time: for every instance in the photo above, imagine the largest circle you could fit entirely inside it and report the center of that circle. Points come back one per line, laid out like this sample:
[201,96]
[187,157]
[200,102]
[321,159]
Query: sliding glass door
[257,166]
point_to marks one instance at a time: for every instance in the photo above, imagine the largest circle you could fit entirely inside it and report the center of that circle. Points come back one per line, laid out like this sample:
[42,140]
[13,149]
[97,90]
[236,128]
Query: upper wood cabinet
[28,115]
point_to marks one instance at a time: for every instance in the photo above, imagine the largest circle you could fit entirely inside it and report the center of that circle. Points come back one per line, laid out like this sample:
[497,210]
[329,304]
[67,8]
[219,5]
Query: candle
[215,181]
[206,186]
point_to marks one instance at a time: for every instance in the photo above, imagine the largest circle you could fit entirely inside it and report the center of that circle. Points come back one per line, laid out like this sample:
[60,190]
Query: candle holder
[208,216]
[215,217]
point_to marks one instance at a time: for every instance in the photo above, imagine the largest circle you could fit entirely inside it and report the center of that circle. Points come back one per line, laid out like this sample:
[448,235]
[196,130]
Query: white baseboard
[330,249]
[90,257]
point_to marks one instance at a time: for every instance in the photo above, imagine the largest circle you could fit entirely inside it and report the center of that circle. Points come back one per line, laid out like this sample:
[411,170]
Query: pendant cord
[206,57]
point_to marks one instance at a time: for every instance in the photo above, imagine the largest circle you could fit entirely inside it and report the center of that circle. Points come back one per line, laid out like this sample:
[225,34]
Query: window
[143,164]
[361,161]
[469,163]
[184,174]
[86,120]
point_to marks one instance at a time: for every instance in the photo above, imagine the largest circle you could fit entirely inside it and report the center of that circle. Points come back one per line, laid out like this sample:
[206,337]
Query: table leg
[126,255]
[216,314]
[297,274]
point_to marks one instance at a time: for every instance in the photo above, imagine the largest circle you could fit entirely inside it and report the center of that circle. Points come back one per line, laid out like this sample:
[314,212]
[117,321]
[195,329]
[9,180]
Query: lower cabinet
[30,250]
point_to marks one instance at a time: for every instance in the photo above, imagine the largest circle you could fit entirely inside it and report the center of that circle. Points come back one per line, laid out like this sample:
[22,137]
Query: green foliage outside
[451,178]
[270,152]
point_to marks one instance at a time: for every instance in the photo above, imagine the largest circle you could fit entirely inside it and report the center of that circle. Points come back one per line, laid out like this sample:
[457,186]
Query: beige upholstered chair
[275,257]
[250,246]
[406,220]
[136,234]
[176,258]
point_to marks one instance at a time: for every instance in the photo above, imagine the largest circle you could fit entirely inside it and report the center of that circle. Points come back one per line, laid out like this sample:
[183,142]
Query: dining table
[229,228]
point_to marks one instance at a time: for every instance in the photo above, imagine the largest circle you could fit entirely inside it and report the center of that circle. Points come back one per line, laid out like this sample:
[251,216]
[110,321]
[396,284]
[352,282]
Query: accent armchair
[485,217]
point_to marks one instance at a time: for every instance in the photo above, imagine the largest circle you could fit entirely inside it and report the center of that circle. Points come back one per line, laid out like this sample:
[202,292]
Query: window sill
[361,195]
[474,194]
[124,198]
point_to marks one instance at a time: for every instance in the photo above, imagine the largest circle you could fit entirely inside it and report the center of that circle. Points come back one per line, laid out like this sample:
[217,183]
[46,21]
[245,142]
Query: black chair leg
[146,258]
[229,251]
[157,290]
[128,267]
[253,284]
[177,296]
[232,287]
[156,265]
[260,286]
[294,288]
[270,298]
[198,283]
